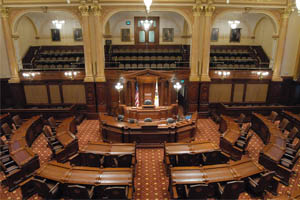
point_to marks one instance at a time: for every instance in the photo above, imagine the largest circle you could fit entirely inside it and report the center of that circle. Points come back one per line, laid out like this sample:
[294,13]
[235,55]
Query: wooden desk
[68,124]
[231,133]
[20,152]
[213,173]
[91,154]
[146,133]
[275,142]
[156,113]
[70,146]
[67,174]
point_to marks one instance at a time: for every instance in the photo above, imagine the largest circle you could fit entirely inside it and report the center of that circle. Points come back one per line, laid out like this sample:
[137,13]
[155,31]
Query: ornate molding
[286,13]
[198,8]
[209,9]
[96,9]
[84,9]
[4,12]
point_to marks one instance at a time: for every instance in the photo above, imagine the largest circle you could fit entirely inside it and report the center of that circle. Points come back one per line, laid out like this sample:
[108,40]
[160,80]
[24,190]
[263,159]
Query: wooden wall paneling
[61,93]
[132,102]
[203,99]
[36,93]
[238,92]
[55,96]
[48,94]
[287,91]
[165,95]
[161,92]
[274,92]
[17,94]
[90,97]
[256,92]
[193,96]
[102,97]
[220,92]
[244,92]
[74,93]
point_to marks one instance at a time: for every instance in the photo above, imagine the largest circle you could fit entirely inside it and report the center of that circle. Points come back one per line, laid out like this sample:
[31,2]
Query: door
[146,37]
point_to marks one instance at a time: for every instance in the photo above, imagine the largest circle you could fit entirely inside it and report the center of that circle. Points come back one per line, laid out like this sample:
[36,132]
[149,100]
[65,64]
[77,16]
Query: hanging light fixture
[58,23]
[227,1]
[147,24]
[148,4]
[233,24]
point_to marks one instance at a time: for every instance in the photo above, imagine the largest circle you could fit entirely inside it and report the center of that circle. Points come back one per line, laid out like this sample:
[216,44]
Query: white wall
[4,63]
[291,46]
[263,35]
[167,20]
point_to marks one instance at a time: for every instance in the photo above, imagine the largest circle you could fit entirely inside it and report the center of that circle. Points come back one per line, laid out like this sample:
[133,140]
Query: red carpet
[150,181]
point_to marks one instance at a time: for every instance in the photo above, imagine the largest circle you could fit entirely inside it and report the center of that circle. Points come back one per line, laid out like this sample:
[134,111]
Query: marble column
[84,10]
[281,44]
[10,46]
[209,9]
[194,59]
[100,76]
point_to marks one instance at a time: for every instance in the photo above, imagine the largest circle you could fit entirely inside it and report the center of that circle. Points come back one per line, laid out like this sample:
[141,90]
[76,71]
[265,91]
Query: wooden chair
[7,130]
[53,143]
[230,190]
[289,161]
[292,148]
[115,192]
[79,192]
[184,160]
[244,144]
[46,188]
[292,134]
[273,116]
[53,124]
[109,161]
[258,183]
[7,168]
[241,119]
[283,124]
[198,191]
[17,121]
[213,158]
[92,160]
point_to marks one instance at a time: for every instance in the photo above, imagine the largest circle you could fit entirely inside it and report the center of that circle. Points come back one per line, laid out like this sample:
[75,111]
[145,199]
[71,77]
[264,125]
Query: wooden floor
[151,181]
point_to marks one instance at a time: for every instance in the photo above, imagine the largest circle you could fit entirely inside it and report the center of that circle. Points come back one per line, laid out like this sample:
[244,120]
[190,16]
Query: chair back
[184,160]
[293,133]
[17,120]
[232,190]
[283,124]
[241,118]
[248,127]
[265,180]
[92,160]
[124,160]
[52,122]
[110,161]
[115,192]
[47,131]
[77,192]
[273,116]
[41,187]
[198,191]
[6,129]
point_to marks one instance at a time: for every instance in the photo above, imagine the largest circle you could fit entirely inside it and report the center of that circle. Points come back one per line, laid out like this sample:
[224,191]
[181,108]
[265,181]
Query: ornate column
[10,46]
[84,10]
[194,58]
[96,9]
[209,9]
[274,47]
[281,44]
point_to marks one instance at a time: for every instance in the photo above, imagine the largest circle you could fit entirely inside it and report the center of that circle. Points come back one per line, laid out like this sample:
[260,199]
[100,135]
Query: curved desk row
[275,146]
[293,118]
[213,173]
[20,152]
[231,132]
[91,155]
[89,176]
[147,132]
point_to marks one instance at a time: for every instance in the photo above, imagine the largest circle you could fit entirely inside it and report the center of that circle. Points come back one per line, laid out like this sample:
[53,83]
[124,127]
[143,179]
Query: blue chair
[148,119]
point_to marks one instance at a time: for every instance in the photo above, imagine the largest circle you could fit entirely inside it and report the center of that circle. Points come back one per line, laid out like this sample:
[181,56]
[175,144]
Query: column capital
[198,9]
[286,13]
[84,9]
[4,12]
[209,10]
[96,9]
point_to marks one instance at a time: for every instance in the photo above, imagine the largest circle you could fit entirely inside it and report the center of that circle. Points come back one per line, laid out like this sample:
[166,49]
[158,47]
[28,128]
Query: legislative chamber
[144,99]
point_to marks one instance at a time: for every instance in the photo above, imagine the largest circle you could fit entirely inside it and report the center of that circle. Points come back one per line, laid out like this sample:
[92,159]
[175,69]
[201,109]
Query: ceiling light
[147,24]
[298,6]
[148,4]
[227,1]
[233,24]
[58,23]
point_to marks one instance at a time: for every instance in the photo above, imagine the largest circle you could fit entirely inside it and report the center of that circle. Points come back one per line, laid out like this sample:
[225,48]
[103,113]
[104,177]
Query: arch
[16,17]
[271,15]
[115,11]
[31,22]
[259,21]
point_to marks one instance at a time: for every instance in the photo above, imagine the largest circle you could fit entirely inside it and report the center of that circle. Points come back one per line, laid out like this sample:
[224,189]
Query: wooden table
[231,133]
[147,133]
[213,173]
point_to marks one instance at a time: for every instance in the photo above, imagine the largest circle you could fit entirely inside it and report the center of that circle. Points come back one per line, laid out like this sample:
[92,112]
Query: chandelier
[261,74]
[58,23]
[223,74]
[298,6]
[227,1]
[233,24]
[147,24]
[30,75]
[148,4]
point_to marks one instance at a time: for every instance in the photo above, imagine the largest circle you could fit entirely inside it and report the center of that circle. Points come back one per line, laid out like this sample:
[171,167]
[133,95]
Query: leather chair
[6,130]
[273,116]
[115,192]
[289,161]
[244,132]
[198,191]
[17,121]
[124,160]
[3,148]
[241,143]
[47,189]
[258,183]
[241,119]
[184,160]
[213,158]
[109,161]
[148,119]
[53,124]
[230,190]
[7,168]
[79,192]
[170,120]
[292,134]
[215,117]
[120,118]
[292,148]
[147,102]
[283,124]
[53,143]
[92,160]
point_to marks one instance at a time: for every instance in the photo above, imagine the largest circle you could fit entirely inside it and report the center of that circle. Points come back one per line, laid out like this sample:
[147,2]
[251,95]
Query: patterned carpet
[150,181]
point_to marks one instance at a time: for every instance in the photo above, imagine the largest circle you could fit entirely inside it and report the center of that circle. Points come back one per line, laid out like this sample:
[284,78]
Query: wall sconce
[30,75]
[177,87]
[58,23]
[260,74]
[233,24]
[71,74]
[119,87]
[223,74]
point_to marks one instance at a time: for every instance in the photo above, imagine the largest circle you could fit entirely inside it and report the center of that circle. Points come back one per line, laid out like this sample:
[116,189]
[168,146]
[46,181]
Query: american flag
[137,101]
